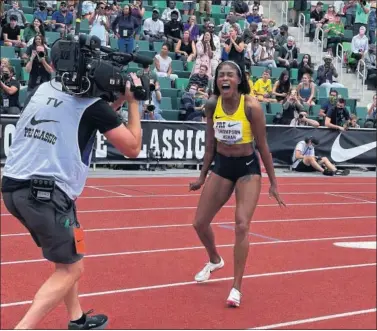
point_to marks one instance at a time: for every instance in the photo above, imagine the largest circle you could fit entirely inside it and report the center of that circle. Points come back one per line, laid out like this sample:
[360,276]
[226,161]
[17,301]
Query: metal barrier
[362,75]
[301,28]
[341,62]
[318,43]
[284,12]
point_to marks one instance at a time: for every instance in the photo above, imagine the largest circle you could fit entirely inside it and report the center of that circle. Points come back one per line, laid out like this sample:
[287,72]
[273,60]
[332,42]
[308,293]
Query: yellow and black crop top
[232,129]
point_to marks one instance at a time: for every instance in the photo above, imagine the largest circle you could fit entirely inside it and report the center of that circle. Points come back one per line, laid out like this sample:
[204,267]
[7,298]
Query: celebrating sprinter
[235,127]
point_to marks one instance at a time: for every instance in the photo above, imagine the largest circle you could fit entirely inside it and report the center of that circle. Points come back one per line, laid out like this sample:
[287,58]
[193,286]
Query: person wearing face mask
[41,12]
[305,160]
[329,104]
[338,118]
[9,92]
[154,28]
[282,37]
[370,62]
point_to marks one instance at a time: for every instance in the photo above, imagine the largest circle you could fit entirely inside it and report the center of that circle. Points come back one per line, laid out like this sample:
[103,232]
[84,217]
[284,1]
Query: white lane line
[189,248]
[164,226]
[215,280]
[226,206]
[109,191]
[348,197]
[315,319]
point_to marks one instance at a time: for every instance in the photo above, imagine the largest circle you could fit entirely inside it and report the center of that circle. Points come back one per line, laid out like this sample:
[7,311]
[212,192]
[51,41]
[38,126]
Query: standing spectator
[350,11]
[235,47]
[317,19]
[370,63]
[9,91]
[372,21]
[100,23]
[138,12]
[124,27]
[39,63]
[189,7]
[205,5]
[362,13]
[299,6]
[204,53]
[338,118]
[173,30]
[154,28]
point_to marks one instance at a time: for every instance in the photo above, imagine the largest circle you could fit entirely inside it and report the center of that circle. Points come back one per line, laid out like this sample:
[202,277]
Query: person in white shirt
[154,28]
[166,14]
[304,159]
[100,23]
[359,44]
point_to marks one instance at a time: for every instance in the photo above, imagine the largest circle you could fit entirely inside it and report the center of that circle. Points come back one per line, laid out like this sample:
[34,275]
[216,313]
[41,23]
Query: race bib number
[228,132]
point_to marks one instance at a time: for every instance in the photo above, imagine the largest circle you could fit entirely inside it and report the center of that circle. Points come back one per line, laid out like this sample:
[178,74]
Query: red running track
[276,290]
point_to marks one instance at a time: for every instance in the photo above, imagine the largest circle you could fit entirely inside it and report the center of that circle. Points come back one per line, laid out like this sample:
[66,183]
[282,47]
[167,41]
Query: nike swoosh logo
[248,163]
[217,117]
[230,125]
[36,122]
[340,154]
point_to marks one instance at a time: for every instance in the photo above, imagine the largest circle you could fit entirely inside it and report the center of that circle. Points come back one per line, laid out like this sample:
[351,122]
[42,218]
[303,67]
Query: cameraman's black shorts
[302,167]
[233,168]
[50,226]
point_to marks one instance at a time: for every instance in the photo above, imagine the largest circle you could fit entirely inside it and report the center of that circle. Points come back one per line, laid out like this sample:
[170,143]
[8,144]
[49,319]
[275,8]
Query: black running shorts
[50,224]
[233,168]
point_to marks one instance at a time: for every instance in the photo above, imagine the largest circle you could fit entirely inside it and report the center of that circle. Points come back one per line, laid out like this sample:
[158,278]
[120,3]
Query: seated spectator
[338,117]
[329,104]
[353,122]
[42,14]
[189,107]
[372,110]
[4,63]
[12,33]
[154,28]
[9,91]
[62,20]
[305,67]
[288,54]
[325,74]
[335,33]
[359,44]
[230,23]
[200,79]
[253,53]
[263,88]
[330,15]
[265,31]
[303,120]
[250,33]
[305,160]
[306,90]
[282,37]
[185,49]
[34,28]
[291,108]
[253,16]
[317,20]
[204,53]
[370,63]
[162,63]
[18,13]
[251,84]
[38,64]
[234,48]
[166,14]
[267,54]
[282,86]
[151,112]
[173,30]
[192,28]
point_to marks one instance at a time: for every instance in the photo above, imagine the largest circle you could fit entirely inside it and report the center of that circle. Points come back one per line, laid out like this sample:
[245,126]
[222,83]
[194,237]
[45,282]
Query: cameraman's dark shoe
[95,322]
[328,172]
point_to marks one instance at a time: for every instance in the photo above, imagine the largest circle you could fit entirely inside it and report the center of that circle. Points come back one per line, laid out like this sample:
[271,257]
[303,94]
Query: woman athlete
[234,121]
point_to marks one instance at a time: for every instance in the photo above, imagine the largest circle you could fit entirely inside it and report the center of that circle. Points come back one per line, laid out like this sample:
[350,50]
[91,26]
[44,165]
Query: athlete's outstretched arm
[257,119]
[210,143]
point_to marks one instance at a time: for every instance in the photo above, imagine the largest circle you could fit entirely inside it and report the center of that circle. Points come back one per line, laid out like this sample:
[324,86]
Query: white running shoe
[210,267]
[234,298]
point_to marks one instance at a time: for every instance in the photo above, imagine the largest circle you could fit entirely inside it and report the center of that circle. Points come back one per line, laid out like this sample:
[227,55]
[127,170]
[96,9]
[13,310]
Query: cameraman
[304,159]
[53,141]
[9,89]
[303,120]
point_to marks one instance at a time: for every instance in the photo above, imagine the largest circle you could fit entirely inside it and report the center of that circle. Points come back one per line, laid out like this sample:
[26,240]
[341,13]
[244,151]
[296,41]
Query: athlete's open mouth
[225,86]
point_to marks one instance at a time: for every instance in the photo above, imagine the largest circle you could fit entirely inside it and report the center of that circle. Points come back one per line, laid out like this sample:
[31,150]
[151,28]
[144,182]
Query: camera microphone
[125,58]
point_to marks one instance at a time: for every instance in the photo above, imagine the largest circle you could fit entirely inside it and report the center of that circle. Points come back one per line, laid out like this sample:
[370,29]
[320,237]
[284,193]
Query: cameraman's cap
[155,10]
